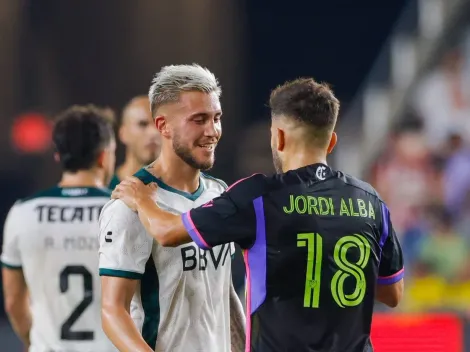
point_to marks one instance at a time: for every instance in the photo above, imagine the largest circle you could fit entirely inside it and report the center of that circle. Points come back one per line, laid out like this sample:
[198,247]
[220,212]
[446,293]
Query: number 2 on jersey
[66,332]
[314,244]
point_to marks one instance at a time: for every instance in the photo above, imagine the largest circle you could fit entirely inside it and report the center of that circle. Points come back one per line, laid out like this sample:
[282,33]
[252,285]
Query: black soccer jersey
[316,242]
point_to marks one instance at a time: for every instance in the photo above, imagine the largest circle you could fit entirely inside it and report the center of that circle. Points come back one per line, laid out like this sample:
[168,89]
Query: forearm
[121,330]
[237,323]
[16,301]
[19,315]
[166,228]
[155,220]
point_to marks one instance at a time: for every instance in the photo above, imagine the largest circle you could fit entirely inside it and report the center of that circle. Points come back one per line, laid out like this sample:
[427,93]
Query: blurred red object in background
[417,333]
[31,133]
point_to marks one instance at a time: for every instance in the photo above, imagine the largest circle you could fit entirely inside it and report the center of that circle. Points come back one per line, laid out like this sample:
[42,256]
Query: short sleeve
[232,217]
[14,225]
[391,269]
[125,246]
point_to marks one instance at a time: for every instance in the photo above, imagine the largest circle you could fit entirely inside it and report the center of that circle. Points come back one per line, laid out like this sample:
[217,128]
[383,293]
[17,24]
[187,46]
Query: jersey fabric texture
[316,242]
[53,237]
[182,302]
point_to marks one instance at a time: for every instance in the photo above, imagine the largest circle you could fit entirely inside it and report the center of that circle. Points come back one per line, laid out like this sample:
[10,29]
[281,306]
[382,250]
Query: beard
[184,153]
[277,161]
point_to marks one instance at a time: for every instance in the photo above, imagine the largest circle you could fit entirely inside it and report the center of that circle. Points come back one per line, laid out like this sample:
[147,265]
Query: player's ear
[57,157]
[122,133]
[281,139]
[101,157]
[162,126]
[333,140]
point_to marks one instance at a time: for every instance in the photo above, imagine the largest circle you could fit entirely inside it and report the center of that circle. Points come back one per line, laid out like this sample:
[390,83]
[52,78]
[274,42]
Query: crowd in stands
[423,174]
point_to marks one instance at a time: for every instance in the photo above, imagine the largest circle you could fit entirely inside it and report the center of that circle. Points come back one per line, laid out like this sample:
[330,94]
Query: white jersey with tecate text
[53,238]
[182,300]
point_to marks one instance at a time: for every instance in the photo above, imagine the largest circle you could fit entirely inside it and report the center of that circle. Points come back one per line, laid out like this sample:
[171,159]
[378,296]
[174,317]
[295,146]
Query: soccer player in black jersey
[319,244]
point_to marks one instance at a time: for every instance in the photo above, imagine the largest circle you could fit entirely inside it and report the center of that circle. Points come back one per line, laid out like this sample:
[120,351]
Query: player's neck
[176,173]
[82,179]
[130,166]
[302,159]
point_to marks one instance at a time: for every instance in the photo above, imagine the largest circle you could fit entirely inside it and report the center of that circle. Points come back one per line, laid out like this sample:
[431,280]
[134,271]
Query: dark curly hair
[80,134]
[311,103]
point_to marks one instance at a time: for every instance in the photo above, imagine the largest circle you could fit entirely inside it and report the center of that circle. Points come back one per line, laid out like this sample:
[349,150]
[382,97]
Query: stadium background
[400,68]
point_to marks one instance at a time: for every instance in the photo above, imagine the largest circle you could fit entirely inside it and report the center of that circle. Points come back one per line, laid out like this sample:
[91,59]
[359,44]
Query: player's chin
[205,160]
[149,155]
[149,158]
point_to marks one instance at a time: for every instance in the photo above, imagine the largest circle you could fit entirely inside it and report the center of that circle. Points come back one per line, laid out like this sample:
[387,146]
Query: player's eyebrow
[143,122]
[206,114]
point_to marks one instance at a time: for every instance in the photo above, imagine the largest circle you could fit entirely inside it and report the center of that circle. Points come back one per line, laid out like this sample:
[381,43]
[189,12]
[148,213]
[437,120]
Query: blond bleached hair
[171,81]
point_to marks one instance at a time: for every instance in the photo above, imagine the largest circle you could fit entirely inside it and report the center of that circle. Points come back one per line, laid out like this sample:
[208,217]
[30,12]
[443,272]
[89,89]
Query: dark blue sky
[332,40]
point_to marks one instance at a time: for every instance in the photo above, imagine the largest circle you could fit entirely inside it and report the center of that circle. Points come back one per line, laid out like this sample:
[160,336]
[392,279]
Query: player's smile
[210,147]
[207,145]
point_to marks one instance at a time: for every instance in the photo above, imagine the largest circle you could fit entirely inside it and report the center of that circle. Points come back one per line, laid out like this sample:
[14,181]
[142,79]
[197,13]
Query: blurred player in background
[319,244]
[50,242]
[186,294]
[140,137]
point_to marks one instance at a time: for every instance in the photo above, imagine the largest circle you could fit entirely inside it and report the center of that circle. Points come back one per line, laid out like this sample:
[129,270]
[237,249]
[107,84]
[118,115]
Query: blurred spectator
[443,99]
[463,221]
[424,176]
[456,176]
[444,250]
[405,176]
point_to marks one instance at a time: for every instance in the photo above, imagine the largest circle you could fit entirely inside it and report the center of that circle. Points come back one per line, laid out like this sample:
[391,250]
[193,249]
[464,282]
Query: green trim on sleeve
[120,273]
[12,267]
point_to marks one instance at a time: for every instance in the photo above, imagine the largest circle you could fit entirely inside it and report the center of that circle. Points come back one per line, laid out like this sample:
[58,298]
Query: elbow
[392,302]
[12,307]
[104,318]
[110,318]
[161,239]
[390,295]
[9,306]
[107,315]
[168,242]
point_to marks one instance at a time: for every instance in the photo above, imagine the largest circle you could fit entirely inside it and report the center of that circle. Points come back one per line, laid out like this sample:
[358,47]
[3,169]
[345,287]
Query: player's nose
[212,129]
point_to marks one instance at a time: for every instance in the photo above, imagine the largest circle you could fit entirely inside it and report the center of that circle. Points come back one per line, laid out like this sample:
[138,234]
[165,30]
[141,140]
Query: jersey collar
[146,177]
[319,171]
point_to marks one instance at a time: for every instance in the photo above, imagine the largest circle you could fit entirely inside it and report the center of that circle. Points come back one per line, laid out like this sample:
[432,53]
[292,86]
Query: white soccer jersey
[184,291]
[52,237]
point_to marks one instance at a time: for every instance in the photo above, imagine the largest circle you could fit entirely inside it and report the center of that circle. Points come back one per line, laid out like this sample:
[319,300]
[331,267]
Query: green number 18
[314,244]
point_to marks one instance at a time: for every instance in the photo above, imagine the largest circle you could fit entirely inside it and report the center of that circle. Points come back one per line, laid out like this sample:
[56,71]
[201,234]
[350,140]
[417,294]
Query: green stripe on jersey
[70,192]
[120,273]
[146,177]
[13,267]
[114,182]
[149,287]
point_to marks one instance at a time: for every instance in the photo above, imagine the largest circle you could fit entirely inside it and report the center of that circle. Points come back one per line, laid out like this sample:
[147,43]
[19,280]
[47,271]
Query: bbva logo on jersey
[194,257]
